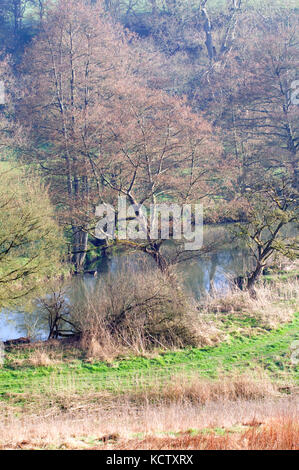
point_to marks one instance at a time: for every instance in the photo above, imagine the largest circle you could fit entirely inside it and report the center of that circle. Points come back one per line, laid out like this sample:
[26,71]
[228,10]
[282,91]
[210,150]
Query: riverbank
[41,371]
[56,394]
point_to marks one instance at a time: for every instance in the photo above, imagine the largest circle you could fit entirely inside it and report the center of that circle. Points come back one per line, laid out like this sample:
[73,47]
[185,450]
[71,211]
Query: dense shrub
[137,310]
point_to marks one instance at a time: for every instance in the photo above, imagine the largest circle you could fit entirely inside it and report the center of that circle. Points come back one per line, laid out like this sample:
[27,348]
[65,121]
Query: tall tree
[162,153]
[92,121]
[77,62]
[250,96]
[272,213]
[30,241]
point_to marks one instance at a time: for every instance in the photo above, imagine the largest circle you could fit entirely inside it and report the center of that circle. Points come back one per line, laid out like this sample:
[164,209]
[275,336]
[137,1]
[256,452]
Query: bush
[137,310]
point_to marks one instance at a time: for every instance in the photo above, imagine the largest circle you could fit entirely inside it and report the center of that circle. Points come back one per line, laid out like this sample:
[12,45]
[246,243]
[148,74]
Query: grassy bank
[54,367]
[244,384]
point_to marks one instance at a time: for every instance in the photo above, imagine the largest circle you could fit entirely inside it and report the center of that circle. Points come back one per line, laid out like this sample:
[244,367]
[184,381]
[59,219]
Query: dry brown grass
[181,389]
[281,434]
[42,354]
[41,358]
[275,303]
[194,389]
[38,358]
[259,424]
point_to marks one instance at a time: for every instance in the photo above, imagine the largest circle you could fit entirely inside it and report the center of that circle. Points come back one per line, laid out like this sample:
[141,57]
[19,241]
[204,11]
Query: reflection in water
[211,272]
[214,272]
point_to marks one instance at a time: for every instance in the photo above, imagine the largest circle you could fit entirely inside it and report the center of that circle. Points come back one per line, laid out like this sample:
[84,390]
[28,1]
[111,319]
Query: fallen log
[15,342]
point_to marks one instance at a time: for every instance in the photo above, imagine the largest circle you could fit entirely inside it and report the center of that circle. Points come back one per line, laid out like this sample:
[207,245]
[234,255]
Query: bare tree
[97,130]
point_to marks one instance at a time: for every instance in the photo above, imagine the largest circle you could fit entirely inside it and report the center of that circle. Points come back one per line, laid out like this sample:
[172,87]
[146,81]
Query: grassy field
[261,350]
[240,394]
[244,389]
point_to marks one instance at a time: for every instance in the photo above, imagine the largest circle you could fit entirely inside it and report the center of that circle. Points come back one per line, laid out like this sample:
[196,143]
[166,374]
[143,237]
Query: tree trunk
[254,276]
[161,261]
[209,38]
[154,251]
[80,240]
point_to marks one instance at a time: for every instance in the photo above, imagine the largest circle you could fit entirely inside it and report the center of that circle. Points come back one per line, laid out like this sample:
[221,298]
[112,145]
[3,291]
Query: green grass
[269,351]
[283,276]
[249,348]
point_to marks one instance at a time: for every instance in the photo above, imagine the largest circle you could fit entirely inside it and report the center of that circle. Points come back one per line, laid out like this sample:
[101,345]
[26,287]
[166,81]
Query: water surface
[204,273]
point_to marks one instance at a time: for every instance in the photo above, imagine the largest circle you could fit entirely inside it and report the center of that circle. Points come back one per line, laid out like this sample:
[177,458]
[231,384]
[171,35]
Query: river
[203,273]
